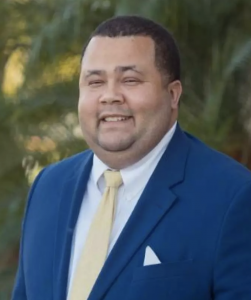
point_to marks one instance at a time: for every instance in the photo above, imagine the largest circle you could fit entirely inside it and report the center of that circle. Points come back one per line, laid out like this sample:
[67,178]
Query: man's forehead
[104,52]
[99,46]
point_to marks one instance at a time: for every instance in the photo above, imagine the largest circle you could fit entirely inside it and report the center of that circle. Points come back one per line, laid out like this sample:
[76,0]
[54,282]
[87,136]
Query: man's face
[123,105]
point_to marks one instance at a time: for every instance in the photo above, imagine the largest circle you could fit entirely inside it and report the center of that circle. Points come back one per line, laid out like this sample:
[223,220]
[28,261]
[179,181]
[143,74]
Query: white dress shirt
[134,178]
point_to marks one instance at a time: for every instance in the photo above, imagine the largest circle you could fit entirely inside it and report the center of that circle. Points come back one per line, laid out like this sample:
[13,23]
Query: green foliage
[38,120]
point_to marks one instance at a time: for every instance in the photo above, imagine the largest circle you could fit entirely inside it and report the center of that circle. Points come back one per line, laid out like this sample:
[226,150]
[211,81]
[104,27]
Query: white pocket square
[150,257]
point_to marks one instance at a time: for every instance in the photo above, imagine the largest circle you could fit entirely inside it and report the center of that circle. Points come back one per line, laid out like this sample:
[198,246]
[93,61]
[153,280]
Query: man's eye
[95,83]
[131,81]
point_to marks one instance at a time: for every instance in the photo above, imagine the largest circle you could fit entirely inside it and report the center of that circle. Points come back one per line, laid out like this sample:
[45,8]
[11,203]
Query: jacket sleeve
[232,267]
[19,291]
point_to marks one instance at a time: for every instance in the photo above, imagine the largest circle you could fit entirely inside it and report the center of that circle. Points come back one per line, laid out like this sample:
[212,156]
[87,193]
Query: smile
[115,119]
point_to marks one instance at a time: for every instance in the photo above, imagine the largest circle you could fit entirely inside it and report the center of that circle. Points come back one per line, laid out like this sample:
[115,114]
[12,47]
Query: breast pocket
[174,281]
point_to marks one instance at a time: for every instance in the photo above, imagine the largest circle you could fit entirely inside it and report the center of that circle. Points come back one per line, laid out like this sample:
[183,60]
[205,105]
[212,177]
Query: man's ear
[175,91]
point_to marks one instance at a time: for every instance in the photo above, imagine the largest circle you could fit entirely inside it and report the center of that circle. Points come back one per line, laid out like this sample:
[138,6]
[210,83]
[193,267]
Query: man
[175,223]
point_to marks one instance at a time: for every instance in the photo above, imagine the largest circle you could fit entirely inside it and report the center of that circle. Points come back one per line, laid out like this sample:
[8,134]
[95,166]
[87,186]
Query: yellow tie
[95,249]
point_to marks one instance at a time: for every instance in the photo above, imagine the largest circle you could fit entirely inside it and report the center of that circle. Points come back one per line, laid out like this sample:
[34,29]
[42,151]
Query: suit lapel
[71,199]
[156,200]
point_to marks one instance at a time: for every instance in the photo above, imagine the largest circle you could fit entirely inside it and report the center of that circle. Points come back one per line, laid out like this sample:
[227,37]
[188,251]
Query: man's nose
[111,95]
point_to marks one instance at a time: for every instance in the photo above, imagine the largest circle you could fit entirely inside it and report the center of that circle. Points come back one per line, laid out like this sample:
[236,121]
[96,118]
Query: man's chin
[115,147]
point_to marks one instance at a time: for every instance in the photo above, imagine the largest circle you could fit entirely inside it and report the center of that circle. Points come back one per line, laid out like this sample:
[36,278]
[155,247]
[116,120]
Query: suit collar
[71,200]
[156,200]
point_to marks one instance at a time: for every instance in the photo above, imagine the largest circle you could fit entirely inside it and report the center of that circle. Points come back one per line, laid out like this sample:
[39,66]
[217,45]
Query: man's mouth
[115,119]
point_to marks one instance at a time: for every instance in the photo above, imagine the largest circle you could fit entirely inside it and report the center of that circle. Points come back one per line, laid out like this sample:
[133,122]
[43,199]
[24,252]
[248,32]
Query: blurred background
[40,48]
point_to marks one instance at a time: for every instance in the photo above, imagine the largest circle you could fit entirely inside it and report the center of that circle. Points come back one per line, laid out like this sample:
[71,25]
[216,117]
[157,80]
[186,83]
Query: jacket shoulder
[67,167]
[214,165]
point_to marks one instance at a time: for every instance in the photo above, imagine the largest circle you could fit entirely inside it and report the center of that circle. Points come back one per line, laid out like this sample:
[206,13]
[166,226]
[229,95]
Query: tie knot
[113,178]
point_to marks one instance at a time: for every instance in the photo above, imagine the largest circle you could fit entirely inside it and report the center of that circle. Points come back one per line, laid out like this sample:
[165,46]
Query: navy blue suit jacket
[195,213]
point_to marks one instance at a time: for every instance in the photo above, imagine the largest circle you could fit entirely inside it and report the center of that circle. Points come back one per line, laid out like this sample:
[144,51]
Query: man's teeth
[115,119]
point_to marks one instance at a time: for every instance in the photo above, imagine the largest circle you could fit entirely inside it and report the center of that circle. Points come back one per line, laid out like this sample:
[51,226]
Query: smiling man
[126,106]
[149,212]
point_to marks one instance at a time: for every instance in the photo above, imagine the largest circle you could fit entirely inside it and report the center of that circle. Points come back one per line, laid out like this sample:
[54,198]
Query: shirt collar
[136,176]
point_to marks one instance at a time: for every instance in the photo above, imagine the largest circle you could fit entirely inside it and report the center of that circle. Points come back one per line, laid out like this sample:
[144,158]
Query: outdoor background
[40,46]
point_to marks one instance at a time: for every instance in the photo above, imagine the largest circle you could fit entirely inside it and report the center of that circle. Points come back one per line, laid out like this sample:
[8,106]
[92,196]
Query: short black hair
[167,57]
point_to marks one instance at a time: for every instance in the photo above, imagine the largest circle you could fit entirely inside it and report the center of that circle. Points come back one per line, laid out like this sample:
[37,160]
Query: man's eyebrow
[123,69]
[120,69]
[93,72]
